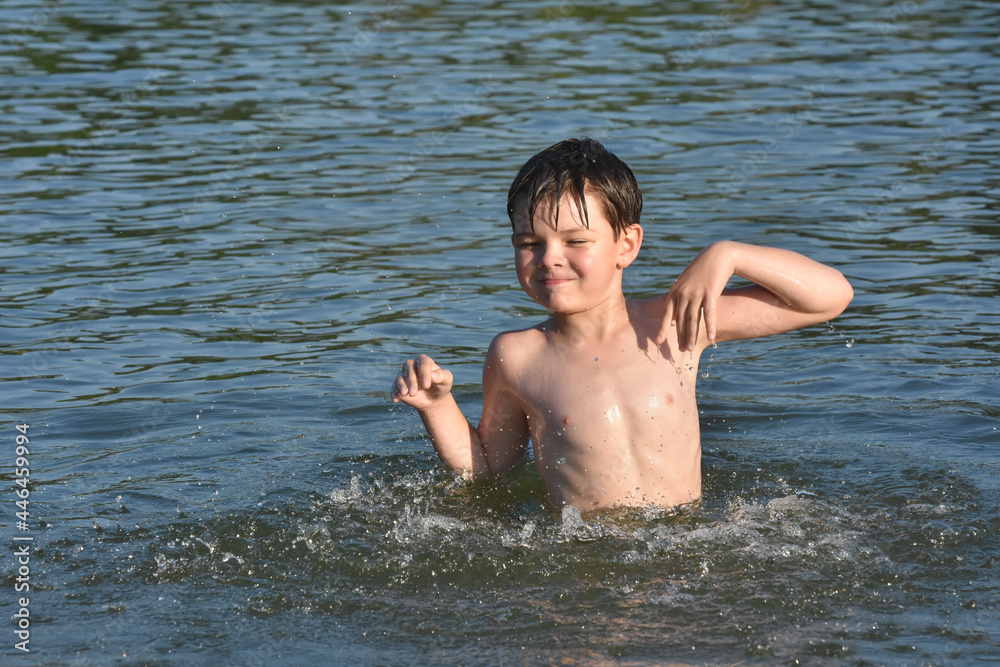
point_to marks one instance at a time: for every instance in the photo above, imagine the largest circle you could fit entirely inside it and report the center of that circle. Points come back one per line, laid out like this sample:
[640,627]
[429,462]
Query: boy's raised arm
[424,385]
[789,291]
[478,453]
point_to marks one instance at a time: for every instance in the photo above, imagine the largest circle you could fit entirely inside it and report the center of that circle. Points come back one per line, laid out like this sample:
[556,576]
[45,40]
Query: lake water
[226,224]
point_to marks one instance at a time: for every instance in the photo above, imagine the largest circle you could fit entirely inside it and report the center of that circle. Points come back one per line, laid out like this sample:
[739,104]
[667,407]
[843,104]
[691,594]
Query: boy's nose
[551,255]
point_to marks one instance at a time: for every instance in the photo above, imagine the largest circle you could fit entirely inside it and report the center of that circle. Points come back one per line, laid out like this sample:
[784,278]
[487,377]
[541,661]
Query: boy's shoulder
[517,348]
[517,341]
[648,308]
[647,314]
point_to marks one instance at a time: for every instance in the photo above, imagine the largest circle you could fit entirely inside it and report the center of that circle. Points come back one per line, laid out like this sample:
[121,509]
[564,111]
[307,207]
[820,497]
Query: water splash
[848,342]
[708,364]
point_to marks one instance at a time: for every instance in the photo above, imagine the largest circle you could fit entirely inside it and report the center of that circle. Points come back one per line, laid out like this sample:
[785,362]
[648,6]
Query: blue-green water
[226,224]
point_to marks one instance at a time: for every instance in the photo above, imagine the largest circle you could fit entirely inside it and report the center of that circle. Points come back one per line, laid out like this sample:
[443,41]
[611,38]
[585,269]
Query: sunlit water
[226,225]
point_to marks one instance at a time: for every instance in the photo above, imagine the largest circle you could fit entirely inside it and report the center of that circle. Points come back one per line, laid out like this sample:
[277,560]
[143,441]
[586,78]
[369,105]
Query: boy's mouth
[551,280]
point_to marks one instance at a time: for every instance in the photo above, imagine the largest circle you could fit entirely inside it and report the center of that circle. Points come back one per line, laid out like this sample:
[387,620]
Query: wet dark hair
[580,164]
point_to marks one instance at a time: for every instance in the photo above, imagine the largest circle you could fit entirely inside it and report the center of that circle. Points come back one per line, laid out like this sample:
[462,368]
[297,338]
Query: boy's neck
[594,325]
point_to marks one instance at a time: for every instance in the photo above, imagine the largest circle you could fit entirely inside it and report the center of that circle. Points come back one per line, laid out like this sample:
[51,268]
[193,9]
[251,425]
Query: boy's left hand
[694,296]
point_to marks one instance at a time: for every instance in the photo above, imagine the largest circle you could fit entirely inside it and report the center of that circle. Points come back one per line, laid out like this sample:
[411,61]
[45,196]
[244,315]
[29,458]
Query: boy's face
[564,265]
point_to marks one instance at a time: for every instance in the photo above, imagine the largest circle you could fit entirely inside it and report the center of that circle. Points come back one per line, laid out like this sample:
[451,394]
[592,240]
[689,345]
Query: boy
[605,388]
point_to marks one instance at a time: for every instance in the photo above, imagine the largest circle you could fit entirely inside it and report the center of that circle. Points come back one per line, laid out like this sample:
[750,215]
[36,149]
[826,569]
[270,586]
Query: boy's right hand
[421,383]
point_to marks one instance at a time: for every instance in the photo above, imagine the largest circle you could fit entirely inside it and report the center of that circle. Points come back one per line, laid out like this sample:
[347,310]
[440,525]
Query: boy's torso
[612,422]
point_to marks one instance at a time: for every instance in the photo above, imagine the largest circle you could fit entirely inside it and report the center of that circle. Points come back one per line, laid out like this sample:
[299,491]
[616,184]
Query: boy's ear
[629,242]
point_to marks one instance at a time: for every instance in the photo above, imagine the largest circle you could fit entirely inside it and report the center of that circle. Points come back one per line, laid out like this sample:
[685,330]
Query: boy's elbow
[843,295]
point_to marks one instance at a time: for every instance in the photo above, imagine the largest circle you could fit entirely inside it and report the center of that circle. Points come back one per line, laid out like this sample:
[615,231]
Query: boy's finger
[691,330]
[426,367]
[710,319]
[680,320]
[418,373]
[440,376]
[409,377]
[668,317]
[399,389]
[692,325]
[677,321]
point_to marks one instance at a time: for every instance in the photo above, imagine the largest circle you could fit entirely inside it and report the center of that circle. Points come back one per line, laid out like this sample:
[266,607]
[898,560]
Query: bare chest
[614,427]
[618,392]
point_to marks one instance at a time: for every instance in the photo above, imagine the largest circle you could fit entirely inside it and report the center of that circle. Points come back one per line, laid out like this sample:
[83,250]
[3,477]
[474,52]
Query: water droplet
[850,343]
[595,358]
[715,345]
[561,460]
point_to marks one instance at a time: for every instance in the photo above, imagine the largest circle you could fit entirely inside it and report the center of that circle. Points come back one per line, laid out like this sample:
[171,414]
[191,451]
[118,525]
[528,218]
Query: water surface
[227,224]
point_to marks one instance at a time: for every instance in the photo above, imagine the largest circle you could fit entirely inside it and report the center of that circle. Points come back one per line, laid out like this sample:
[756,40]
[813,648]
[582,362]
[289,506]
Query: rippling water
[227,223]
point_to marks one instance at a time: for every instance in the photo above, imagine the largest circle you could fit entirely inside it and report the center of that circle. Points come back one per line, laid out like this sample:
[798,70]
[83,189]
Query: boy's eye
[577,241]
